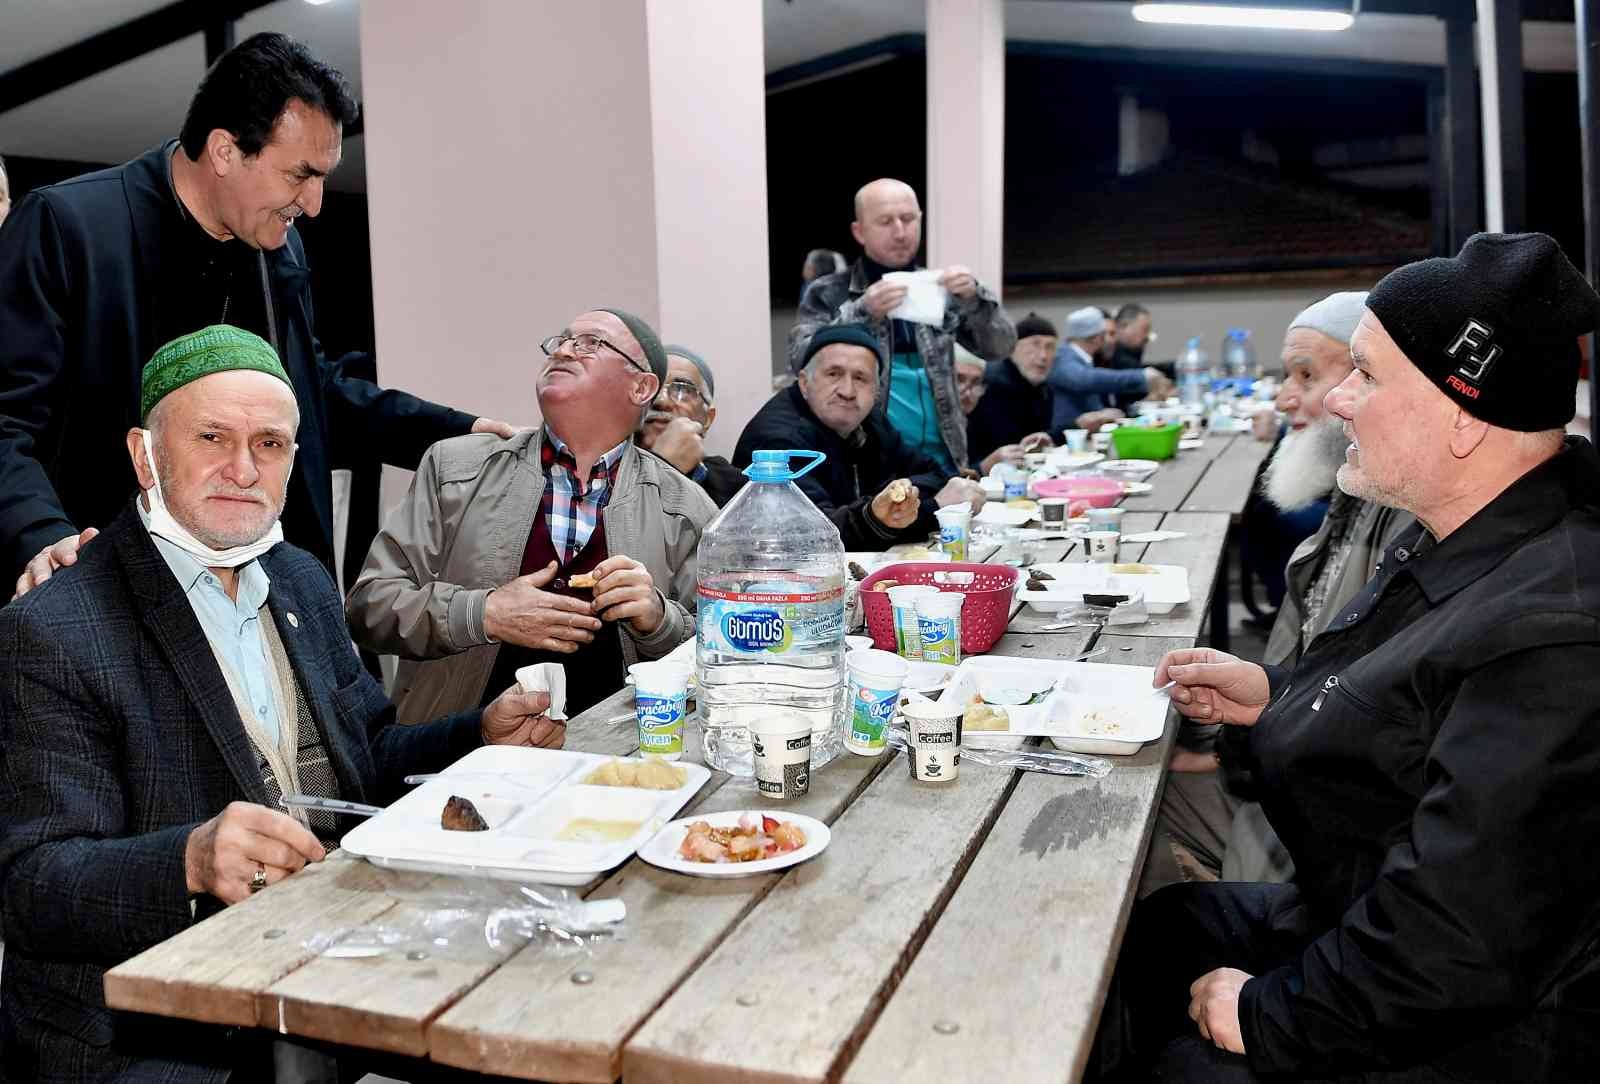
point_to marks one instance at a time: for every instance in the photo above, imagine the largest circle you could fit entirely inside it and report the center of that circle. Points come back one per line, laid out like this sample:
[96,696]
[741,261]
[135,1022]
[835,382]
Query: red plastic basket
[984,614]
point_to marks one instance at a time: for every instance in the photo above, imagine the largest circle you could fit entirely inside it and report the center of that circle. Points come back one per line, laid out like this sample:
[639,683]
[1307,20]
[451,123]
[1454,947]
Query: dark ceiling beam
[115,46]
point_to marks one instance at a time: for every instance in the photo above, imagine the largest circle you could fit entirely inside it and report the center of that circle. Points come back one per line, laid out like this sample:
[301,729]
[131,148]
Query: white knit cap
[1336,315]
[1086,323]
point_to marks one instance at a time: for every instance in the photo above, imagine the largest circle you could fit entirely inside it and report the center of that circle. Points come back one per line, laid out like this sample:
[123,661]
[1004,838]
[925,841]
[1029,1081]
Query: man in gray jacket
[568,543]
[917,389]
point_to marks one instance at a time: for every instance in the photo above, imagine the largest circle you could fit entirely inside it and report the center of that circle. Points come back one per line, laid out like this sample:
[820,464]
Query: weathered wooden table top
[960,933]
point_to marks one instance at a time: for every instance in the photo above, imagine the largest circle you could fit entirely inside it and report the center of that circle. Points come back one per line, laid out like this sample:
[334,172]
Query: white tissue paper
[925,299]
[546,677]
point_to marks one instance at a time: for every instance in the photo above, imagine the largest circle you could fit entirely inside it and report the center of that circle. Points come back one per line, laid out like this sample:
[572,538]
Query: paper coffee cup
[939,626]
[660,691]
[934,748]
[781,745]
[875,681]
[955,525]
[1053,513]
[1102,545]
[907,634]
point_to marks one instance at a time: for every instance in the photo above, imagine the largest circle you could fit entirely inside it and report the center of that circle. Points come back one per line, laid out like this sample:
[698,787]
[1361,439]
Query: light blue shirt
[232,625]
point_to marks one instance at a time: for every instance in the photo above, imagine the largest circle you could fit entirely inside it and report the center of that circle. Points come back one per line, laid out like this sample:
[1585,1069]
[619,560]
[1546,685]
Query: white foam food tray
[1163,586]
[1096,707]
[528,797]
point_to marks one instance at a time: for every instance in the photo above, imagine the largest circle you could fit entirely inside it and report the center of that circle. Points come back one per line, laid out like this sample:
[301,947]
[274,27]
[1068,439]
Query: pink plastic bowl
[1097,492]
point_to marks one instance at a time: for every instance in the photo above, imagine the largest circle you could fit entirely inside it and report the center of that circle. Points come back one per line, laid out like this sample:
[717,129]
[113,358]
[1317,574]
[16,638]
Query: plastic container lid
[941,604]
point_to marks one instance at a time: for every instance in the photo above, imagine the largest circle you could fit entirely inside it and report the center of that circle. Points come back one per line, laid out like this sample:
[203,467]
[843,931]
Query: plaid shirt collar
[572,506]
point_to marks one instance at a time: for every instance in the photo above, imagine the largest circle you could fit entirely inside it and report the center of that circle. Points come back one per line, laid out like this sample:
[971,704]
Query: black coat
[118,736]
[1431,765]
[722,481]
[855,471]
[1011,408]
[82,264]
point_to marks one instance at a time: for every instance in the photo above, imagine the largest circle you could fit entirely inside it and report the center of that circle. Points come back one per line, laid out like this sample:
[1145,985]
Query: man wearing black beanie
[1430,762]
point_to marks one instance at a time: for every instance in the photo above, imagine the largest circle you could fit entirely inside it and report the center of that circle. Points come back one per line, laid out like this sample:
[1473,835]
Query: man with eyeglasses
[676,425]
[487,564]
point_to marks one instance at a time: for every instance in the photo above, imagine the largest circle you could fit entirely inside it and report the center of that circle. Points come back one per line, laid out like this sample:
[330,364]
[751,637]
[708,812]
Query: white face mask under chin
[164,526]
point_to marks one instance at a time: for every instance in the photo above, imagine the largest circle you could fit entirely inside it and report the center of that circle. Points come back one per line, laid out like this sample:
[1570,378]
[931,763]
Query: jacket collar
[171,622]
[1528,507]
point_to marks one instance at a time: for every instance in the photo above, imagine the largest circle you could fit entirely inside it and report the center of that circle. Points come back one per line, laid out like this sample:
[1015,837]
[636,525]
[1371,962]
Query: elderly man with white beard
[1208,825]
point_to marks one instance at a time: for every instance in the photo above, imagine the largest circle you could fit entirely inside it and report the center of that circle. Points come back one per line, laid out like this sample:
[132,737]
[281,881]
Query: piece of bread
[582,579]
[899,490]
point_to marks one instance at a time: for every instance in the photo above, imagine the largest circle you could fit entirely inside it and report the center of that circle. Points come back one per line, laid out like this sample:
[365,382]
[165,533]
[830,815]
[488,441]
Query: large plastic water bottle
[1194,373]
[1238,357]
[770,615]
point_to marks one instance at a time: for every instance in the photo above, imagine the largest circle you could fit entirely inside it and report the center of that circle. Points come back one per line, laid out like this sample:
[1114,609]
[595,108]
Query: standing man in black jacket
[1430,763]
[859,486]
[100,270]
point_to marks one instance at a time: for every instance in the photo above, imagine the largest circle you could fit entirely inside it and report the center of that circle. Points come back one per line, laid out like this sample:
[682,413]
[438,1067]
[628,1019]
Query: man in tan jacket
[568,543]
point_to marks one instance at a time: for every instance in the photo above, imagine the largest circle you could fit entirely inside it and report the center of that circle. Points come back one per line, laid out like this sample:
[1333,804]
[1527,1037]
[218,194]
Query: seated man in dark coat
[159,698]
[1013,416]
[1430,761]
[829,409]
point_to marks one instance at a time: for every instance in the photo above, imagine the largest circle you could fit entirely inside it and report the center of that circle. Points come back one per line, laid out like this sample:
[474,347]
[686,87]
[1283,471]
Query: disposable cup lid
[905,592]
[660,677]
[943,604]
[955,512]
[780,724]
[930,711]
[869,662]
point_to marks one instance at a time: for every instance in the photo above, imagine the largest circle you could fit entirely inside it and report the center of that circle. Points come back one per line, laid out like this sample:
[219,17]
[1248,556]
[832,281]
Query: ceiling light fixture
[1245,17]
[318,3]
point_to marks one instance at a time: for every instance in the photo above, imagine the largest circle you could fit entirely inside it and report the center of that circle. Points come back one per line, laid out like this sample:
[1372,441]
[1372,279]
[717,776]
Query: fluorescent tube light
[1248,18]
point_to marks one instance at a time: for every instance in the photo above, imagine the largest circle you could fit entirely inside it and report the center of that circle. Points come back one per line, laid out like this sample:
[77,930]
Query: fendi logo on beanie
[1495,328]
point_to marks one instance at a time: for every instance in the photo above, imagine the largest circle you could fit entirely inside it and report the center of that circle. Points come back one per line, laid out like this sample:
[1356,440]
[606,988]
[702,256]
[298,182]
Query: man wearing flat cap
[874,486]
[1085,397]
[159,697]
[485,566]
[1430,761]
[1013,417]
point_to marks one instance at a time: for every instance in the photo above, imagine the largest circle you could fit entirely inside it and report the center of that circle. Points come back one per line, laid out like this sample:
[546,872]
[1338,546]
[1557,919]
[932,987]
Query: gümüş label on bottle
[798,614]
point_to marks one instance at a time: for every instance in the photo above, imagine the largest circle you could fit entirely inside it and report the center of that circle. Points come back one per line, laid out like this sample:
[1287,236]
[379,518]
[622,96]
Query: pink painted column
[966,135]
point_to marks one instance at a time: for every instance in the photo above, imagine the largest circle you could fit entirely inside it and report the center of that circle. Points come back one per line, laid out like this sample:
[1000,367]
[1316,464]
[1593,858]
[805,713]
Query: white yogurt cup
[876,678]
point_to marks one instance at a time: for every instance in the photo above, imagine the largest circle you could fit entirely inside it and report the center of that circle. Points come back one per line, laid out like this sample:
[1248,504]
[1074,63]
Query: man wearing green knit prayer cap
[160,699]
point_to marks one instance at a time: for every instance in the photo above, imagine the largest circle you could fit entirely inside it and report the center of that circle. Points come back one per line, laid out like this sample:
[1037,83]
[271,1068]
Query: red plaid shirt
[571,506]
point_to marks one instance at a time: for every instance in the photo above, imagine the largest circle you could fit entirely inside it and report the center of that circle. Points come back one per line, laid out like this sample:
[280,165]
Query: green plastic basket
[1146,442]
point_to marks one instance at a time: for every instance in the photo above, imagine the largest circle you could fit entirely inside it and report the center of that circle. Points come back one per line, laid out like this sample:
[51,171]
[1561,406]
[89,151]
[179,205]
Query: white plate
[999,515]
[1164,587]
[1131,466]
[1135,489]
[662,850]
[1190,443]
[1062,459]
[1096,707]
[526,795]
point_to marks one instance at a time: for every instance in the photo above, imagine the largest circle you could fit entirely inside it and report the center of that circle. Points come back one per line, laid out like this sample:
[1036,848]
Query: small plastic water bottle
[770,615]
[1194,373]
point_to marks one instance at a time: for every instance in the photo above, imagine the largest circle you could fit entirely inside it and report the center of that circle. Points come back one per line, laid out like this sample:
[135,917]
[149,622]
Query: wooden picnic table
[964,932]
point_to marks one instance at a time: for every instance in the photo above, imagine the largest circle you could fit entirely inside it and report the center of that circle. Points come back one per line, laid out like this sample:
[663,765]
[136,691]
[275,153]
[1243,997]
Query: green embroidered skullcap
[655,355]
[219,348]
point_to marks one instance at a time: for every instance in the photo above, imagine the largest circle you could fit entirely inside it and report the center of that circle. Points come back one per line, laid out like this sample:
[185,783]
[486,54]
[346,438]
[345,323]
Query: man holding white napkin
[916,314]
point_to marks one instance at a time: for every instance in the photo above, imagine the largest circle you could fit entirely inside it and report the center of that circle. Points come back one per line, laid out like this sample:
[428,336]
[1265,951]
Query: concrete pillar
[966,135]
[1500,75]
[528,160]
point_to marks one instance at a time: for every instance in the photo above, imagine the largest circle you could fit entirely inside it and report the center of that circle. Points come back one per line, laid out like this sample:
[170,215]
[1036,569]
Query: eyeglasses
[682,391]
[585,345]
